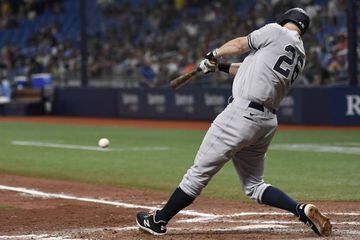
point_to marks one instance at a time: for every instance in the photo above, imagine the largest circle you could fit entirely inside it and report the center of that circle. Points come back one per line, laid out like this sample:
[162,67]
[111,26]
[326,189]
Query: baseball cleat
[146,222]
[311,216]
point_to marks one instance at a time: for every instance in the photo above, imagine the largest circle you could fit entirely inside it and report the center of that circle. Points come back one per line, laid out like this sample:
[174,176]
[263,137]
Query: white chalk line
[316,148]
[37,193]
[200,216]
[184,231]
[224,218]
[191,230]
[90,148]
[354,149]
[175,229]
[135,228]
[37,237]
[171,230]
[242,214]
[348,143]
[193,213]
[250,221]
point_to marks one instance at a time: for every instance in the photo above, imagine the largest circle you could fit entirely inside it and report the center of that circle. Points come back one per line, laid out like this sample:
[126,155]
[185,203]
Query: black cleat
[146,222]
[311,216]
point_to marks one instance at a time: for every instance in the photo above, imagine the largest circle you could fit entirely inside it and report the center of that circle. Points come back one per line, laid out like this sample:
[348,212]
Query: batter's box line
[207,216]
[173,231]
[238,229]
[254,221]
[226,218]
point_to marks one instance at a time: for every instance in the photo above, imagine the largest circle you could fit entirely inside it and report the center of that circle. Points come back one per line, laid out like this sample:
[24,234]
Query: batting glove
[207,66]
[212,56]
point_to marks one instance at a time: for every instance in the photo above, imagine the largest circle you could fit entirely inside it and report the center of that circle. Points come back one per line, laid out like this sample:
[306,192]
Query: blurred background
[51,48]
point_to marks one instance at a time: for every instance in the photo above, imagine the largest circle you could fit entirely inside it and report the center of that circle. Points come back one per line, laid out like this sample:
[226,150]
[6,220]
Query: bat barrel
[183,79]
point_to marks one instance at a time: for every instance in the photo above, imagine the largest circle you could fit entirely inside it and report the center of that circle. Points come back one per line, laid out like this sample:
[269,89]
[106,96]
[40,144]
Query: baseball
[104,142]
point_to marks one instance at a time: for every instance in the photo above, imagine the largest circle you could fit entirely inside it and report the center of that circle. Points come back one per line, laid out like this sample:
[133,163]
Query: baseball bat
[183,79]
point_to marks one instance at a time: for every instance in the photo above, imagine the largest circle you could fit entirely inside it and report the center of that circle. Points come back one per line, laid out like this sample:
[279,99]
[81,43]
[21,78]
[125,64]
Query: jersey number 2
[290,61]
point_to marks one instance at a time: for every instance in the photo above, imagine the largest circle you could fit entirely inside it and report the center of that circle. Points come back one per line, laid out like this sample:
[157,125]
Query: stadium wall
[22,109]
[328,106]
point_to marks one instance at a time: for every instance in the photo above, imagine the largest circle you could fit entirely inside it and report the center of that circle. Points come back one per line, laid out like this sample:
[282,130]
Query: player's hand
[207,66]
[212,56]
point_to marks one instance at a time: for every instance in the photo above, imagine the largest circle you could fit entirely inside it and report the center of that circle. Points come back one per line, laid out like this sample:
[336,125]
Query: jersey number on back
[290,61]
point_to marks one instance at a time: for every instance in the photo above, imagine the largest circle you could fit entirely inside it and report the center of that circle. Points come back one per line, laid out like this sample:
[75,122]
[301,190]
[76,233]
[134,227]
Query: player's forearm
[233,47]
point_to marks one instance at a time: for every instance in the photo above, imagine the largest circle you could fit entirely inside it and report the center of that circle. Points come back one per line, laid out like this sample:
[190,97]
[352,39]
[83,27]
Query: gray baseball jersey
[243,133]
[268,71]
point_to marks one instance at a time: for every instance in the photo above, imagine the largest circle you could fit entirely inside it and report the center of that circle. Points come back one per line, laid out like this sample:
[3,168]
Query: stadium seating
[124,34]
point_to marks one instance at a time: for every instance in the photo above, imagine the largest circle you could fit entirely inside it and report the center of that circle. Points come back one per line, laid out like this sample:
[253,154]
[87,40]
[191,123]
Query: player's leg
[250,168]
[208,161]
[249,163]
[155,222]
[229,132]
[224,135]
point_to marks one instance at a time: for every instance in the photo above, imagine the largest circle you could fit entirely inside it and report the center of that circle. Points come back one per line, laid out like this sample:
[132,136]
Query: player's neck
[292,27]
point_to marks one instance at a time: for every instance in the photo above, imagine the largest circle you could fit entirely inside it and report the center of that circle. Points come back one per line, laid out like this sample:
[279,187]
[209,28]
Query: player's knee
[192,189]
[194,181]
[192,186]
[255,191]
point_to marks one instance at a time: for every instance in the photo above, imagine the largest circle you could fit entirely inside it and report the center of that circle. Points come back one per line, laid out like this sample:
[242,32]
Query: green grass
[304,175]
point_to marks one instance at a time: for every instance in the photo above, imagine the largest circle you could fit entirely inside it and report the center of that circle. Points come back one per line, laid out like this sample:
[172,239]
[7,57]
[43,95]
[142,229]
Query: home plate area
[261,227]
[52,209]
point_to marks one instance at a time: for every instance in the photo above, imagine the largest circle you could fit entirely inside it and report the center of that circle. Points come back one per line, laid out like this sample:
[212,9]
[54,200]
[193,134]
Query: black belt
[254,105]
[260,107]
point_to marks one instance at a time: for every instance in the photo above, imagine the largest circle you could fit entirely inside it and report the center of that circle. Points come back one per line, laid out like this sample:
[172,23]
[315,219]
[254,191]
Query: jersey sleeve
[263,36]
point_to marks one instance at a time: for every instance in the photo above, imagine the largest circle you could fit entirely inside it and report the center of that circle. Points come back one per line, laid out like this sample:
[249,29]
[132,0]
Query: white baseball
[104,142]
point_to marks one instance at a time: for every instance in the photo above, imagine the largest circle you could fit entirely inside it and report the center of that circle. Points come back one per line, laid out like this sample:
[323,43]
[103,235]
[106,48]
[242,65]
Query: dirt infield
[34,208]
[70,210]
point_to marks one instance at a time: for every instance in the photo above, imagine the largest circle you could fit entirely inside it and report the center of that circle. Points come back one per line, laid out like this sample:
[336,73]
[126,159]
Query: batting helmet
[297,16]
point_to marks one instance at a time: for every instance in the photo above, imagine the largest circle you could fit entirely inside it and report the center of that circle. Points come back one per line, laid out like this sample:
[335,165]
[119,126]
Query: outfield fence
[329,106]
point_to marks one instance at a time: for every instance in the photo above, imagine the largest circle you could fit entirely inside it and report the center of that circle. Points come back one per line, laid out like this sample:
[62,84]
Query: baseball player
[244,130]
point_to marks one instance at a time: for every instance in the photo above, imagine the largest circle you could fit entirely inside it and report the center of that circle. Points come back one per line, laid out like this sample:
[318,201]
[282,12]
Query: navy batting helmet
[297,16]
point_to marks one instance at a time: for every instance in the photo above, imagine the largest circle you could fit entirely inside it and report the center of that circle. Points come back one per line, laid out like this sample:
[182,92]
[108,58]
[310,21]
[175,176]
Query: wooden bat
[183,79]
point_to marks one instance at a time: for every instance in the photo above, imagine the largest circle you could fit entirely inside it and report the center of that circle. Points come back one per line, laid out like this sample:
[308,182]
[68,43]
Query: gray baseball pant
[239,133]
